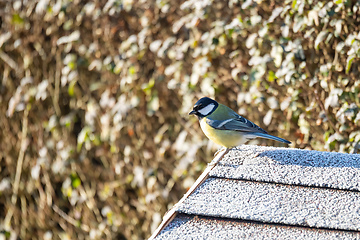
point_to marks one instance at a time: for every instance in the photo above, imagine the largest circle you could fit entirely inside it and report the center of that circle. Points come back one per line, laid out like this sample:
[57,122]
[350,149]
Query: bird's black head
[204,107]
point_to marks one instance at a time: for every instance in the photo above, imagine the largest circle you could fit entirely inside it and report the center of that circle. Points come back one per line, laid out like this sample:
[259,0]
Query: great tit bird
[225,127]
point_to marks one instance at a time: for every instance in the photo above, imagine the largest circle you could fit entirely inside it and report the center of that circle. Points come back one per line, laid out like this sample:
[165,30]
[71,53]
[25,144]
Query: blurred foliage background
[95,137]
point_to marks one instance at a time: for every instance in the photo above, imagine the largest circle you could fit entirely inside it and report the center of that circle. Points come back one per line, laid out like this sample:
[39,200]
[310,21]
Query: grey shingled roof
[291,166]
[200,227]
[285,191]
[275,203]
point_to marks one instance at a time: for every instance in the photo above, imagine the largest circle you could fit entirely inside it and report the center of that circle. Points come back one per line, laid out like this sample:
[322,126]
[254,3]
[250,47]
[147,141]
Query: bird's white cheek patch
[206,110]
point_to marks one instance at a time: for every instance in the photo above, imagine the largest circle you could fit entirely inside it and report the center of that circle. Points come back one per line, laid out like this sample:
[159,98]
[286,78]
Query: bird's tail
[268,136]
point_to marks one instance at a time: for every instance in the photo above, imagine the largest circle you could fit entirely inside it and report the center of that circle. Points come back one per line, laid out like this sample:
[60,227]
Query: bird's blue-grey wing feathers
[235,124]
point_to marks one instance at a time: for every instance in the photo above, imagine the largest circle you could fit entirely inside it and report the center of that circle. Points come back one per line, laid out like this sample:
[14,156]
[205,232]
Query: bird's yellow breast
[226,138]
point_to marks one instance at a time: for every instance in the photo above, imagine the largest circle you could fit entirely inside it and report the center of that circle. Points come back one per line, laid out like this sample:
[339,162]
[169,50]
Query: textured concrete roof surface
[291,166]
[257,192]
[200,227]
[275,203]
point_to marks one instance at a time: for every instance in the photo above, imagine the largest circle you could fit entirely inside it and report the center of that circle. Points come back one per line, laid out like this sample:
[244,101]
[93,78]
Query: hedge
[96,140]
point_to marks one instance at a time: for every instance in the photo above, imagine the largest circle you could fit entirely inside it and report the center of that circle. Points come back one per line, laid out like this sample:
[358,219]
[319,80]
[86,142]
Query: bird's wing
[237,123]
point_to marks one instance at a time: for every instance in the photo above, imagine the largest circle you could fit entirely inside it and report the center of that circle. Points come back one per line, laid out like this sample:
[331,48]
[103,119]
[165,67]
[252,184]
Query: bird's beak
[192,112]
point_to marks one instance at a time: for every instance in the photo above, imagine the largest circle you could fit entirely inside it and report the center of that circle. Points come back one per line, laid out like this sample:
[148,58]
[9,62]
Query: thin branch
[9,61]
[19,166]
[69,219]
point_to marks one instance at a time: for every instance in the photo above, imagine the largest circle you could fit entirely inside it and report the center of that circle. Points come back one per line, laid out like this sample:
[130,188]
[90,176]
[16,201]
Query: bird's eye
[197,107]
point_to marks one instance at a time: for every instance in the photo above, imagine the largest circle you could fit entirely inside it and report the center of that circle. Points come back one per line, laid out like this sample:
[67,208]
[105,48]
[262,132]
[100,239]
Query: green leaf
[271,76]
[327,135]
[6,234]
[132,70]
[71,89]
[146,87]
[72,65]
[75,180]
[82,137]
[114,149]
[349,61]
[16,19]
[78,223]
